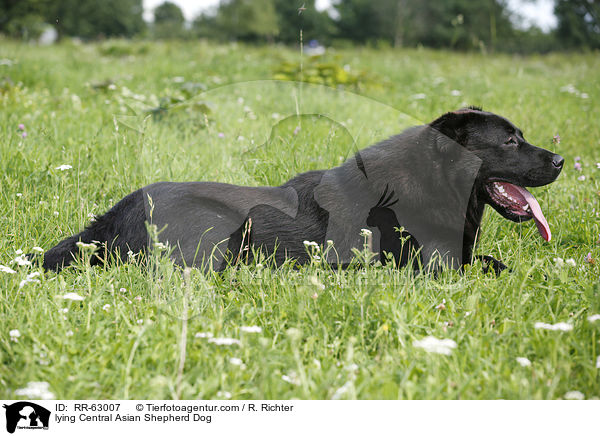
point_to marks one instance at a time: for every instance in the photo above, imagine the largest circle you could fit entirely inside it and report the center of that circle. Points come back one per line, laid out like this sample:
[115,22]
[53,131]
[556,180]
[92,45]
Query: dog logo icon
[26,415]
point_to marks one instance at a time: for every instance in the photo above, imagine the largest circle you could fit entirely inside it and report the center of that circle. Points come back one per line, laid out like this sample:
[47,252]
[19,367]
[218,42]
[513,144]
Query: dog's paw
[489,262]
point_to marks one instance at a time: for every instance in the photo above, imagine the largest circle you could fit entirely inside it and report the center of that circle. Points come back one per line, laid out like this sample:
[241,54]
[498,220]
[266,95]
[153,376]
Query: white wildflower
[434,345]
[593,318]
[365,232]
[316,283]
[38,249]
[72,296]
[63,167]
[598,362]
[19,194]
[7,270]
[14,335]
[558,262]
[569,88]
[83,246]
[159,246]
[293,333]
[21,260]
[37,390]
[352,367]
[69,333]
[342,391]
[224,394]
[581,178]
[30,279]
[106,307]
[224,341]
[251,329]
[140,321]
[524,361]
[570,262]
[203,335]
[291,378]
[574,395]
[560,326]
[237,362]
[455,93]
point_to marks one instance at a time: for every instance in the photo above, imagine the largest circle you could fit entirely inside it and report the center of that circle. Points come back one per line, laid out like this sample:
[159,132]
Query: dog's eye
[511,141]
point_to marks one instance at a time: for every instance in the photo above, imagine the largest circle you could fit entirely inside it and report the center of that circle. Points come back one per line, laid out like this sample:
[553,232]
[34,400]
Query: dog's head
[508,162]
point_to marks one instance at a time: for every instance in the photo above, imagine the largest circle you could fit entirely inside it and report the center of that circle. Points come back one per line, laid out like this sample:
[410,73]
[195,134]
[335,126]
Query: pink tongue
[538,216]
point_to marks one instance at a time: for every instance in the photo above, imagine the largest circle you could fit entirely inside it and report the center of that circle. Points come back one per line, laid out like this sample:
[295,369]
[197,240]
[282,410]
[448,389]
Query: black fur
[500,145]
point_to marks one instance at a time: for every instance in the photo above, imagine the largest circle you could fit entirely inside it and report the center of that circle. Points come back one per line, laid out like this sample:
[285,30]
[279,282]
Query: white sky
[538,12]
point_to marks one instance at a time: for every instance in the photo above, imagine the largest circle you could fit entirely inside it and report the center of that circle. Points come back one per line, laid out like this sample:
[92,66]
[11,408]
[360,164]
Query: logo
[26,415]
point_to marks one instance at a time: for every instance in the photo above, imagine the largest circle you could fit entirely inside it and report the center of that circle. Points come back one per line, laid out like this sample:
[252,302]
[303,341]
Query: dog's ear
[455,124]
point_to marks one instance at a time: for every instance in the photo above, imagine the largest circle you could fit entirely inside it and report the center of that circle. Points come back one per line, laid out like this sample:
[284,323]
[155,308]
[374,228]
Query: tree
[293,15]
[168,21]
[461,24]
[578,23]
[23,18]
[249,20]
[90,19]
[84,18]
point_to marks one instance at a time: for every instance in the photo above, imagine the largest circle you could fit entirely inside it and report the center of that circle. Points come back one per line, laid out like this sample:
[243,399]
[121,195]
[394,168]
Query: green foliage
[119,48]
[578,23]
[249,20]
[87,19]
[319,71]
[321,329]
[482,25]
[168,12]
[168,21]
[462,24]
[313,23]
[91,19]
[23,19]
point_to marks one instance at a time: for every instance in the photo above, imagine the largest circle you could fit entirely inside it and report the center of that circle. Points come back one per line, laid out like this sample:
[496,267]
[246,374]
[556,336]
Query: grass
[323,333]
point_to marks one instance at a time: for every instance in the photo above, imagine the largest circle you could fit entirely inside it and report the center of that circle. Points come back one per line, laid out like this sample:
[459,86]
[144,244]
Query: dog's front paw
[489,262]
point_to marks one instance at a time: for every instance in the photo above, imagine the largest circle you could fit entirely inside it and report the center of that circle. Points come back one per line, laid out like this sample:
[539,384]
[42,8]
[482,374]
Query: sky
[538,12]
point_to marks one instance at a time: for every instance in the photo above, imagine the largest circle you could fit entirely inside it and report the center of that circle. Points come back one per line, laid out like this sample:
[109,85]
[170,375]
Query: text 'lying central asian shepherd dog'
[422,193]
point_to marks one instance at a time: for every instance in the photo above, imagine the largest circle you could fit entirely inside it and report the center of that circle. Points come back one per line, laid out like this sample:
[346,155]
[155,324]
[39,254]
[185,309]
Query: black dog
[433,180]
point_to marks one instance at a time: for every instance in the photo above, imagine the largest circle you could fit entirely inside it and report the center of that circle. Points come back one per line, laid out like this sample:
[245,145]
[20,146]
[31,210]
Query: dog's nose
[558,161]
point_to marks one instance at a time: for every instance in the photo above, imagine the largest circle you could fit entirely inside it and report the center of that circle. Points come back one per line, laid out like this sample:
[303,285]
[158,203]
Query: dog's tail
[119,230]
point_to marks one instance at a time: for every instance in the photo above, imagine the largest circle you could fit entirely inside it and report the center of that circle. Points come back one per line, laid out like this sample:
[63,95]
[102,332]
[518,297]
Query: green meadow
[82,125]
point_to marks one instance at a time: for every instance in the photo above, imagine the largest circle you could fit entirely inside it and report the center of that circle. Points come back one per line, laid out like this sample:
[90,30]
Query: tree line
[455,24]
